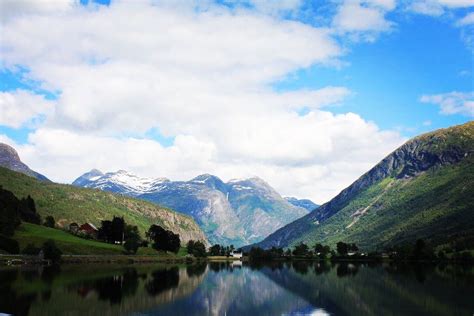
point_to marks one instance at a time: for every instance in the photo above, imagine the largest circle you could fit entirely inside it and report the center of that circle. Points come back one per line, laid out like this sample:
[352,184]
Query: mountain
[238,212]
[304,203]
[118,182]
[424,189]
[67,204]
[10,159]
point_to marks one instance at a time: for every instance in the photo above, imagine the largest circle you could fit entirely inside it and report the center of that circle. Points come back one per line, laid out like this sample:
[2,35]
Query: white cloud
[431,8]
[456,3]
[438,7]
[15,8]
[363,16]
[276,7]
[314,157]
[427,123]
[22,107]
[467,20]
[452,102]
[203,77]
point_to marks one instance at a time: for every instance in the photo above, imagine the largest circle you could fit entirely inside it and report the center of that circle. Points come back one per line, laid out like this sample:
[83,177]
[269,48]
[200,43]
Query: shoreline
[25,260]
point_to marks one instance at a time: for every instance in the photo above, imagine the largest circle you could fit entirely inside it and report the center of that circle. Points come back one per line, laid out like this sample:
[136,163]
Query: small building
[89,229]
[73,228]
[236,254]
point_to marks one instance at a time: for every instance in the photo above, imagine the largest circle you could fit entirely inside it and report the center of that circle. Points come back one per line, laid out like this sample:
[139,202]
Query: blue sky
[378,67]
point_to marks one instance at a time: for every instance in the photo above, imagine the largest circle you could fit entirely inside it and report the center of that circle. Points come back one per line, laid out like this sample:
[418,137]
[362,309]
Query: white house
[236,254]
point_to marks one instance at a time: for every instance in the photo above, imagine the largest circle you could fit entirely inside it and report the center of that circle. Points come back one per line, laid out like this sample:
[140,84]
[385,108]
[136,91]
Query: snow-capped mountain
[238,212]
[119,182]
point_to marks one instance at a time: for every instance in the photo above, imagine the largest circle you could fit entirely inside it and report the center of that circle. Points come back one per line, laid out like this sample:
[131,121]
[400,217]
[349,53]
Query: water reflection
[218,288]
[162,280]
[111,288]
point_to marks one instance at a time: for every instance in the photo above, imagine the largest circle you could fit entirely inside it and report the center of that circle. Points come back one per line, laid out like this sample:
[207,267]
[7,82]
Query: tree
[321,250]
[51,252]
[190,247]
[131,232]
[49,221]
[28,211]
[352,247]
[164,239]
[31,250]
[118,229]
[9,214]
[301,250]
[105,231]
[256,253]
[9,245]
[342,248]
[215,250]
[131,245]
[132,239]
[196,248]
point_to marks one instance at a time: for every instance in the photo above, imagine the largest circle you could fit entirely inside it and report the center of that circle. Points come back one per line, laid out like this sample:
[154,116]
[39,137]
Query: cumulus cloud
[21,107]
[467,20]
[452,102]
[315,157]
[13,8]
[203,77]
[438,7]
[364,19]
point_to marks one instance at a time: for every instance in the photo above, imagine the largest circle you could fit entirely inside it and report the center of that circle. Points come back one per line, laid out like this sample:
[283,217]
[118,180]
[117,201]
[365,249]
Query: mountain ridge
[10,159]
[236,212]
[430,152]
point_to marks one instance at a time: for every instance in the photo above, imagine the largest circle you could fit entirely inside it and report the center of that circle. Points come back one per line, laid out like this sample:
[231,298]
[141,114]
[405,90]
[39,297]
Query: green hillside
[69,204]
[69,244]
[425,189]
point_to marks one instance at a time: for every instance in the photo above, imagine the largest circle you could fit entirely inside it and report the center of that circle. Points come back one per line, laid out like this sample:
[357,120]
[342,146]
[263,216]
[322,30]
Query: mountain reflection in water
[223,288]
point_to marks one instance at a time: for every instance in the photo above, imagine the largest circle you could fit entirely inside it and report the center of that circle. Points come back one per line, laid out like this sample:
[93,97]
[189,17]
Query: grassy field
[71,245]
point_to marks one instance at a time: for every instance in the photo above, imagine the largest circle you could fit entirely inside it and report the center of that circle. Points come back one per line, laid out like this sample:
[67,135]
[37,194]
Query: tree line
[417,251]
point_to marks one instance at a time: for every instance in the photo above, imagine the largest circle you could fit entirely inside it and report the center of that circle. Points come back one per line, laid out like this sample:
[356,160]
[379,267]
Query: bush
[196,248]
[49,222]
[131,245]
[51,252]
[9,245]
[31,250]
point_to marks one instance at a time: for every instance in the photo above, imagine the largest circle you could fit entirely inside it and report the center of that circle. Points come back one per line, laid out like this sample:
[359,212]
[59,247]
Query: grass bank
[76,247]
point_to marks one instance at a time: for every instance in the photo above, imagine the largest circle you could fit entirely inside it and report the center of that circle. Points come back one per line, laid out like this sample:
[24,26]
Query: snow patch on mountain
[238,212]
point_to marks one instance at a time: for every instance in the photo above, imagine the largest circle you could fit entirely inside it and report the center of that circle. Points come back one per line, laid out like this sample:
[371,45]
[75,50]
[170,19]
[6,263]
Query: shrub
[131,245]
[51,252]
[9,245]
[31,250]
[49,222]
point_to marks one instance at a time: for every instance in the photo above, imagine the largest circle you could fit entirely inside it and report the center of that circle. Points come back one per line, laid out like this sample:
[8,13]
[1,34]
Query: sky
[307,95]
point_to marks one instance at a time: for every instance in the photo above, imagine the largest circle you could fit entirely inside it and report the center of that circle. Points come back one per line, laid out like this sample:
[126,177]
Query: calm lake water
[297,288]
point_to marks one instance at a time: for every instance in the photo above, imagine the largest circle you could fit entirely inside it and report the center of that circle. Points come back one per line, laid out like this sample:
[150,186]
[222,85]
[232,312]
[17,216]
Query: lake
[298,288]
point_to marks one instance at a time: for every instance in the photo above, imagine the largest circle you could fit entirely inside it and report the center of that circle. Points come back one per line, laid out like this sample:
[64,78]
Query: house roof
[90,225]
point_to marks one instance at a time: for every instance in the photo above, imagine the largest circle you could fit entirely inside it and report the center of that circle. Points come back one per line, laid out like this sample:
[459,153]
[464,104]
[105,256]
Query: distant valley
[238,212]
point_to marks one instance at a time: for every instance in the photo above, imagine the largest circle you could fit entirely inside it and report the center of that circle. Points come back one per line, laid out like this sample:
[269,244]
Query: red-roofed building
[89,229]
